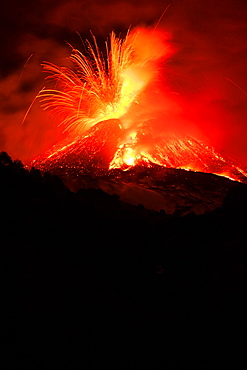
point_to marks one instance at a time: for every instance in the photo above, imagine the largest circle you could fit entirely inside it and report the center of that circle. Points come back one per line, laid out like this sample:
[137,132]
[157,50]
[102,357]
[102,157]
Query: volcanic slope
[175,191]
[90,153]
[161,176]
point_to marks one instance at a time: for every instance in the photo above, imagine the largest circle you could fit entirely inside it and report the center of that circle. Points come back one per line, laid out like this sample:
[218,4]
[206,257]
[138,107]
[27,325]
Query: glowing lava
[98,102]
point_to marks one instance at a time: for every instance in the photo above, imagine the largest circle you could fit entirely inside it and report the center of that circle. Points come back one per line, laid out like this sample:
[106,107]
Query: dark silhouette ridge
[90,280]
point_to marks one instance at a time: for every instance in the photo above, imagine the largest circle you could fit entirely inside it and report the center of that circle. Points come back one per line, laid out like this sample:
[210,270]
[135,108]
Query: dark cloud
[206,75]
[102,16]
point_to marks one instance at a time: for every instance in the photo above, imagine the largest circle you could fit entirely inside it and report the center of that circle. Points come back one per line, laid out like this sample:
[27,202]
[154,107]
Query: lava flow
[104,103]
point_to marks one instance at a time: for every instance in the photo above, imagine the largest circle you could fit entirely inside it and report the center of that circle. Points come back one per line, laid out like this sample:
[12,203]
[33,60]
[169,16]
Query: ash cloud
[206,75]
[209,70]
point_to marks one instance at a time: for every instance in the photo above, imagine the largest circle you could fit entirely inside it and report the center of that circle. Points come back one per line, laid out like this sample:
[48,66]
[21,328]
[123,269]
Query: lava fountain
[113,106]
[95,88]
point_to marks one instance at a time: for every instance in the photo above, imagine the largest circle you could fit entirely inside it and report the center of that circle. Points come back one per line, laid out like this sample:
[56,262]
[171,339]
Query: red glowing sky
[207,74]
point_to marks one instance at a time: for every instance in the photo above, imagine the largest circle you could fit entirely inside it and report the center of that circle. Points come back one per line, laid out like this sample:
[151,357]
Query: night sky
[207,73]
[87,278]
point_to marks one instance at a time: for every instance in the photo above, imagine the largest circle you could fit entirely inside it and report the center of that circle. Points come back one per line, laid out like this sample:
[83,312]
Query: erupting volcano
[117,111]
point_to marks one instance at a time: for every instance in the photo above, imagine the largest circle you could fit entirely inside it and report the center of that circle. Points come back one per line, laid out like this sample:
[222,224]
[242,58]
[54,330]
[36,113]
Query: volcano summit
[154,176]
[100,149]
[108,107]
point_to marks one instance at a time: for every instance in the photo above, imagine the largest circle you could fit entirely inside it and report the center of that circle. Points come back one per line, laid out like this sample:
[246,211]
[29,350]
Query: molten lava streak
[102,102]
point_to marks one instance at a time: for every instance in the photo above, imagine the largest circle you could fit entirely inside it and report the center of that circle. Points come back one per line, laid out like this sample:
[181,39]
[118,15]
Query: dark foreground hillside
[91,282]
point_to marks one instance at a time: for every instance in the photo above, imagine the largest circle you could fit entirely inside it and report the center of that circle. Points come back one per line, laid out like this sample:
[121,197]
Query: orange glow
[123,91]
[93,89]
[129,157]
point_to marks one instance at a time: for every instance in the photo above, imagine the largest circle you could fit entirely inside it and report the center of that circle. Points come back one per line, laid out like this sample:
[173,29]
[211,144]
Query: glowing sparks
[95,89]
[90,91]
